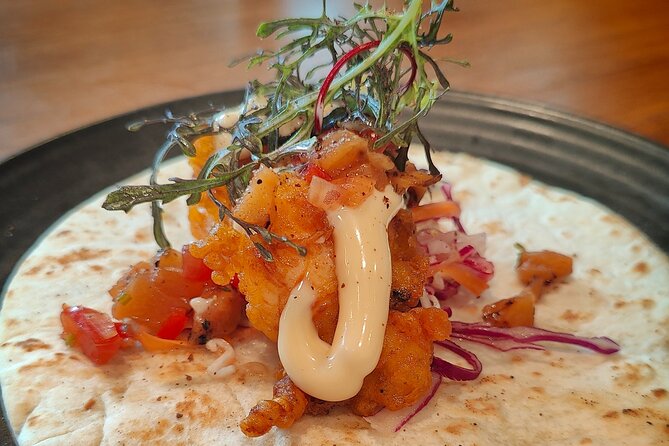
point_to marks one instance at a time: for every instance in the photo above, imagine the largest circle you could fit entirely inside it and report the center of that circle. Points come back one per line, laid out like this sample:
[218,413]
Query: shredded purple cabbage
[526,337]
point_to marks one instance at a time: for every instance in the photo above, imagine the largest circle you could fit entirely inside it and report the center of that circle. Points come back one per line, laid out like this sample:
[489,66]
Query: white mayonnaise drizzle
[199,304]
[222,366]
[336,372]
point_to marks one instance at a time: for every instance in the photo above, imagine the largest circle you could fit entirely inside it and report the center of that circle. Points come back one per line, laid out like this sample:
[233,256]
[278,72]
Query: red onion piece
[450,290]
[390,421]
[467,251]
[474,260]
[455,372]
[446,190]
[503,345]
[527,336]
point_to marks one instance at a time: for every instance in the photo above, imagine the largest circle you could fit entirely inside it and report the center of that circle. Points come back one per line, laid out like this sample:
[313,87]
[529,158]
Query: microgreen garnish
[385,85]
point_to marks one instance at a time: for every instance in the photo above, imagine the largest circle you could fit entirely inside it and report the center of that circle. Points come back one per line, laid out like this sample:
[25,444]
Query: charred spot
[402,295]
[206,325]
[202,339]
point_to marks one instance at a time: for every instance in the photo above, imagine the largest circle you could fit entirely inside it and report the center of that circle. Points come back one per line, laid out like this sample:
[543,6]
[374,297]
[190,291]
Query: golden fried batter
[410,265]
[266,285]
[402,375]
[278,201]
[286,406]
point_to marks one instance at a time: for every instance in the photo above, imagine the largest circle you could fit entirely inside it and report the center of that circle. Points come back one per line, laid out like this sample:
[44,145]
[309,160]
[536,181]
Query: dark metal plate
[627,173]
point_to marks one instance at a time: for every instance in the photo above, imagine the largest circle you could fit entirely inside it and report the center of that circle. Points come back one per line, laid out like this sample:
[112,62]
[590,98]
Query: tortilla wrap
[54,395]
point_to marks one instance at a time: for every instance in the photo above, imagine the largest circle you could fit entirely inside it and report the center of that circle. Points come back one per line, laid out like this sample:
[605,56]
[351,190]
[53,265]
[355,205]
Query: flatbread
[54,395]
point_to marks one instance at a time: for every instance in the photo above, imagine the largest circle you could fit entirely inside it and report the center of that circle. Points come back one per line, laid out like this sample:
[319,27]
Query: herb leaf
[375,87]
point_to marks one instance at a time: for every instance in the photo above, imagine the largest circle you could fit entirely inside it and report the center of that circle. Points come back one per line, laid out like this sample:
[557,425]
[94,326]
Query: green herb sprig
[373,89]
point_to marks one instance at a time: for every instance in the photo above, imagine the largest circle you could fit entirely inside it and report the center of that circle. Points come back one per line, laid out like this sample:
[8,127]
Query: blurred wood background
[69,63]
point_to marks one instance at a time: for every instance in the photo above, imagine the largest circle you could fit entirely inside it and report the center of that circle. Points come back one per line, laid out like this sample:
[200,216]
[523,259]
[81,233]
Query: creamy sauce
[223,366]
[199,304]
[336,372]
[226,120]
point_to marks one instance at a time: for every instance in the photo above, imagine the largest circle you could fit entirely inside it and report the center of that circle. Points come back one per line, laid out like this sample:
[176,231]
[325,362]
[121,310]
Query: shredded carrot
[443,209]
[463,275]
[154,343]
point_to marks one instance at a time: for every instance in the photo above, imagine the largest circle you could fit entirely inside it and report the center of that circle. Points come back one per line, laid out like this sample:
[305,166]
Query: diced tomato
[93,332]
[234,282]
[122,330]
[313,170]
[194,268]
[150,292]
[173,325]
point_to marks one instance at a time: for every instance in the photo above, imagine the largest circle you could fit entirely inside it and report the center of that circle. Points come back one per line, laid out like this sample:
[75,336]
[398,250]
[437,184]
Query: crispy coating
[410,265]
[267,285]
[402,375]
[287,405]
[279,202]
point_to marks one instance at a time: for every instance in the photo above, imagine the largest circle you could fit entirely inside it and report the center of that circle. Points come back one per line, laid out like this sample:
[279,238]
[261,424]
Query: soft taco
[337,286]
[55,395]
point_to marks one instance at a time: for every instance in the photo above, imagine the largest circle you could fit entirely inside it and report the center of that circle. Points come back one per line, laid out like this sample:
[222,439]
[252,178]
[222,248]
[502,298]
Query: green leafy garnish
[382,80]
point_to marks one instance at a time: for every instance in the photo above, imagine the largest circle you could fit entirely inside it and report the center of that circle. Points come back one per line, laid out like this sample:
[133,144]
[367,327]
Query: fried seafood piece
[279,202]
[410,265]
[283,209]
[287,406]
[403,375]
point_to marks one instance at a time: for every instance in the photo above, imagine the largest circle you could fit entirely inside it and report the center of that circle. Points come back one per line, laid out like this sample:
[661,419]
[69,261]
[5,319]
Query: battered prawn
[283,202]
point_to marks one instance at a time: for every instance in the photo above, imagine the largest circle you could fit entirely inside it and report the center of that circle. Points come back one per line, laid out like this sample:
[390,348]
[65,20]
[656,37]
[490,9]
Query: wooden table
[66,64]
